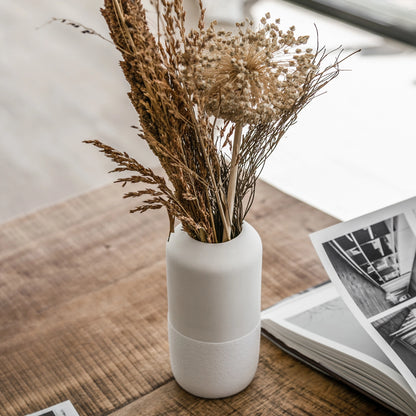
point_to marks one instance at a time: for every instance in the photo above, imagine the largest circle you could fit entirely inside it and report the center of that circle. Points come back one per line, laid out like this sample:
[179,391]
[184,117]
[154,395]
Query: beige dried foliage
[195,94]
[252,76]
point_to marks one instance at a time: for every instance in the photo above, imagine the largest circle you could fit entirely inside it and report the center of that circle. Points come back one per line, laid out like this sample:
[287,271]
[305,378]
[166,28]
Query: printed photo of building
[377,264]
[399,331]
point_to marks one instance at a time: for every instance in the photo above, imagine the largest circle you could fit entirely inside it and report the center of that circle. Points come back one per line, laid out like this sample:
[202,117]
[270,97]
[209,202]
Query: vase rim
[243,231]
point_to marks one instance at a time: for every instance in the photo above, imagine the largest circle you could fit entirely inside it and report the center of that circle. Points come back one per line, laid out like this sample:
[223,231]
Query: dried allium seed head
[250,81]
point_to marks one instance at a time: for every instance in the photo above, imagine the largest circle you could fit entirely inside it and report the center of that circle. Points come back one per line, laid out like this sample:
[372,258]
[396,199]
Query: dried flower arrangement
[212,106]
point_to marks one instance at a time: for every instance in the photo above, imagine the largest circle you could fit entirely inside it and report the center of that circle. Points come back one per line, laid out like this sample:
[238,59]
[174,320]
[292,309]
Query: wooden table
[83,313]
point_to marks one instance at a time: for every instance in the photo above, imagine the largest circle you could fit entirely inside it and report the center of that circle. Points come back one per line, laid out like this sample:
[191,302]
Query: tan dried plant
[212,107]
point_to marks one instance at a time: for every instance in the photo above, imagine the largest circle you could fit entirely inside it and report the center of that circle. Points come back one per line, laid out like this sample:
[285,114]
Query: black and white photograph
[399,331]
[376,264]
[372,262]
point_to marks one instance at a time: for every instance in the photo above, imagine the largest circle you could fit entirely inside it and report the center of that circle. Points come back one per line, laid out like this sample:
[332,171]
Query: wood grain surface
[83,313]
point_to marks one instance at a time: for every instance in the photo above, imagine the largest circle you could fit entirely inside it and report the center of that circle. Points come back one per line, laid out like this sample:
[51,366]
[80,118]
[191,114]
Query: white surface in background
[353,149]
[229,12]
[58,87]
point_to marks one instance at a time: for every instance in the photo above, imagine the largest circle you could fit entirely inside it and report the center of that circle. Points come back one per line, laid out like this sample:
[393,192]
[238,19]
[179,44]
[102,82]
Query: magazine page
[371,261]
[321,312]
[61,409]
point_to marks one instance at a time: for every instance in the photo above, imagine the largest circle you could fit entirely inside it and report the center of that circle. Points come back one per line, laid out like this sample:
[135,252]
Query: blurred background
[353,149]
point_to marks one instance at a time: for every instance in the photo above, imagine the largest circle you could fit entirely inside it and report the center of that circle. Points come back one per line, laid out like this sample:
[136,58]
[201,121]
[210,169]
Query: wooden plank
[282,386]
[83,313]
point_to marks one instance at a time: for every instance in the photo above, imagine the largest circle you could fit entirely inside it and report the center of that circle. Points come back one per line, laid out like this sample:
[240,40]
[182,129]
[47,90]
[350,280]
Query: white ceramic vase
[214,295]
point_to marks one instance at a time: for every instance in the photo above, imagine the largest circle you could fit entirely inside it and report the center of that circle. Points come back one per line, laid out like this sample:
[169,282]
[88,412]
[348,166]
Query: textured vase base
[214,370]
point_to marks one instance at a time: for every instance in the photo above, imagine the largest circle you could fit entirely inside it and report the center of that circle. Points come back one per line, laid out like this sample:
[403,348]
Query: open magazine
[361,327]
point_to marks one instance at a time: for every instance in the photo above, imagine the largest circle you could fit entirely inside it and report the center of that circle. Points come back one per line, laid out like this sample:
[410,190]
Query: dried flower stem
[233,180]
[84,29]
